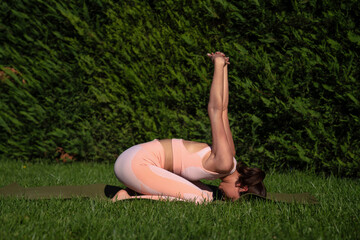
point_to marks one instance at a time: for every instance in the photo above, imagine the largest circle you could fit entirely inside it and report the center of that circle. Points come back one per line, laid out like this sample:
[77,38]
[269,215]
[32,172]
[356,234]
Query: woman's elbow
[216,108]
[212,108]
[225,166]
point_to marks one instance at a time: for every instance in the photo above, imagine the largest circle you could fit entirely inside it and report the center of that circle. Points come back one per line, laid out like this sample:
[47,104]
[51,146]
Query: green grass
[335,217]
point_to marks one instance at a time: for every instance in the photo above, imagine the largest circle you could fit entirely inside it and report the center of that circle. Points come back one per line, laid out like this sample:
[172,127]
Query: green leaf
[302,153]
[241,48]
[327,87]
[256,120]
[101,97]
[28,116]
[4,125]
[334,44]
[353,37]
[353,98]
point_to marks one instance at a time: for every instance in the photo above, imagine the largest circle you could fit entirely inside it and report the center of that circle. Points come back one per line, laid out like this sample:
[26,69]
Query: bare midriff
[189,145]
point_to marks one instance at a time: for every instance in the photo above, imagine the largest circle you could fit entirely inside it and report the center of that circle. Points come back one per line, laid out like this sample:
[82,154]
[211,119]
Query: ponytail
[253,178]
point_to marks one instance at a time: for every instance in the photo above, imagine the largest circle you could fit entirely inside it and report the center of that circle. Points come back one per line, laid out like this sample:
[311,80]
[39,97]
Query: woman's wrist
[219,61]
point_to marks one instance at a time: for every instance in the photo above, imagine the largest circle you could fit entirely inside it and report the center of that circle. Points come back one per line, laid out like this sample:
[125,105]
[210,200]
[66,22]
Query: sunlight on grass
[335,216]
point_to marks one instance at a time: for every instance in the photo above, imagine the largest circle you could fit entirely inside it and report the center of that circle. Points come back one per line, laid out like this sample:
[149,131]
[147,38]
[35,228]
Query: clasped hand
[219,57]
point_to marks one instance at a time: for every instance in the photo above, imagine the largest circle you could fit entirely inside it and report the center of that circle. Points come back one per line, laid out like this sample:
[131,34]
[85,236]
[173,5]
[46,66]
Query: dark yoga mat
[108,191]
[65,192]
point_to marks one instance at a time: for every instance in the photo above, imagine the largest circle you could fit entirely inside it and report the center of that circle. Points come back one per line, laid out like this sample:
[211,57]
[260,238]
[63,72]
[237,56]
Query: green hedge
[101,76]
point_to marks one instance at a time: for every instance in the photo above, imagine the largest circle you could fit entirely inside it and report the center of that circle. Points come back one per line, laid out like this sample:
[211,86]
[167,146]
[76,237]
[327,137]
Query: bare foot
[121,195]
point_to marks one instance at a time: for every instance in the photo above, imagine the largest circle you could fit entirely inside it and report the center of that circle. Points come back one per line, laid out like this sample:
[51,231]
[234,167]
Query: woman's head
[243,180]
[252,178]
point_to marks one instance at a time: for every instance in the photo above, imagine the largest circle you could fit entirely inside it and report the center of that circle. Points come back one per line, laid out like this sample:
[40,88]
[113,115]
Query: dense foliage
[94,77]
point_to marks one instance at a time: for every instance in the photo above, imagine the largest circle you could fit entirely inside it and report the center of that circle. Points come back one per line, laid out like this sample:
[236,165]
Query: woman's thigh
[137,170]
[158,181]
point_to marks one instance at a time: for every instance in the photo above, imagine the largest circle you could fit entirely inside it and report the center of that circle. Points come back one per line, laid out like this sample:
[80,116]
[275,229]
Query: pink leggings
[141,168]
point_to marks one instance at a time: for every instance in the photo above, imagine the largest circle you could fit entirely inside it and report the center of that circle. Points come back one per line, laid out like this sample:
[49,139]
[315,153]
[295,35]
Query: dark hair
[253,178]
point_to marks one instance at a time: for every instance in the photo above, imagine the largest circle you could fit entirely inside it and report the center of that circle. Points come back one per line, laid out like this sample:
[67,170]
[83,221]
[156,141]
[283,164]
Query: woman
[170,169]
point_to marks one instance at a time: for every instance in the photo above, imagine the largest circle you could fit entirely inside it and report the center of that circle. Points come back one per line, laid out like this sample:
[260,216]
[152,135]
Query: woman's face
[231,186]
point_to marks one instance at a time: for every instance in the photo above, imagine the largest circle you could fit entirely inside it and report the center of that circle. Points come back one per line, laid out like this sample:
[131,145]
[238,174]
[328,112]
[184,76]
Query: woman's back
[190,146]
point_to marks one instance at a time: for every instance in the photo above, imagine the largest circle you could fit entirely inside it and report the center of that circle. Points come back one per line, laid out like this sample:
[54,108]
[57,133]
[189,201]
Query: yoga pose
[171,169]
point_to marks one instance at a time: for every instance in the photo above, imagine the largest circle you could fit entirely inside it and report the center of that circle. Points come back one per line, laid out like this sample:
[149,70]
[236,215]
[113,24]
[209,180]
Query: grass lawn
[335,217]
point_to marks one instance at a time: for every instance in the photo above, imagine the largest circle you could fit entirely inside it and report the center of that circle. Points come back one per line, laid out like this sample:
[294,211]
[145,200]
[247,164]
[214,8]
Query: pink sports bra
[189,165]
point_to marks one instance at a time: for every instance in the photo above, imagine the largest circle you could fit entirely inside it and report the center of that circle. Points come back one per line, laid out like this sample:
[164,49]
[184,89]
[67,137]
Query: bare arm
[225,111]
[221,156]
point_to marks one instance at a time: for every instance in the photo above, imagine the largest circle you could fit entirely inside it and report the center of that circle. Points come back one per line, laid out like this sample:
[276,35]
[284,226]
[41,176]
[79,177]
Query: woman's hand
[219,57]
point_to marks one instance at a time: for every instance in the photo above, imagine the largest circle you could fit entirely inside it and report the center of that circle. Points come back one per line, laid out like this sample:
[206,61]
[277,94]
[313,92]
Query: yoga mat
[104,191]
[65,192]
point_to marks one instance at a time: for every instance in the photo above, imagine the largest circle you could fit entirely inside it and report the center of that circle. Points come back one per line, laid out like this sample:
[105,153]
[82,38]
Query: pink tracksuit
[141,168]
